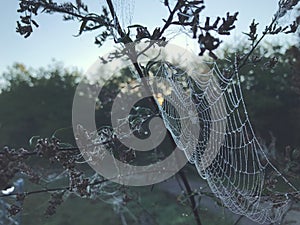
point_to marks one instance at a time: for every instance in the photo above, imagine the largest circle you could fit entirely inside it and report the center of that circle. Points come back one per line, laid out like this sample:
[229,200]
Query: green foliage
[35,103]
[274,106]
[269,88]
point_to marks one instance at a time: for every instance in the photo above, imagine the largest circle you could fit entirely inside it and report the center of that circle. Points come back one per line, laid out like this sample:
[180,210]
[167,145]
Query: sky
[54,39]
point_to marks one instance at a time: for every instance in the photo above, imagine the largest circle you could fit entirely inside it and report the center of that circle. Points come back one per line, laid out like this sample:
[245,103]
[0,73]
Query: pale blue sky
[54,38]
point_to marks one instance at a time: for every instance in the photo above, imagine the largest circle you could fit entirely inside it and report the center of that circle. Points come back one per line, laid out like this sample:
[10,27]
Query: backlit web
[226,152]
[205,113]
[124,11]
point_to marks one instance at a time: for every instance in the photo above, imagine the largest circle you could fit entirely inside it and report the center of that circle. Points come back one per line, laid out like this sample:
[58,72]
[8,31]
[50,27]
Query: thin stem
[169,21]
[238,220]
[132,54]
[191,196]
[123,219]
[243,63]
[46,190]
[125,38]
[92,17]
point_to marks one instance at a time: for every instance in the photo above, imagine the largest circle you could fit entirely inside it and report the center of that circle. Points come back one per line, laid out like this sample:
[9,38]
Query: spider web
[124,12]
[226,153]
